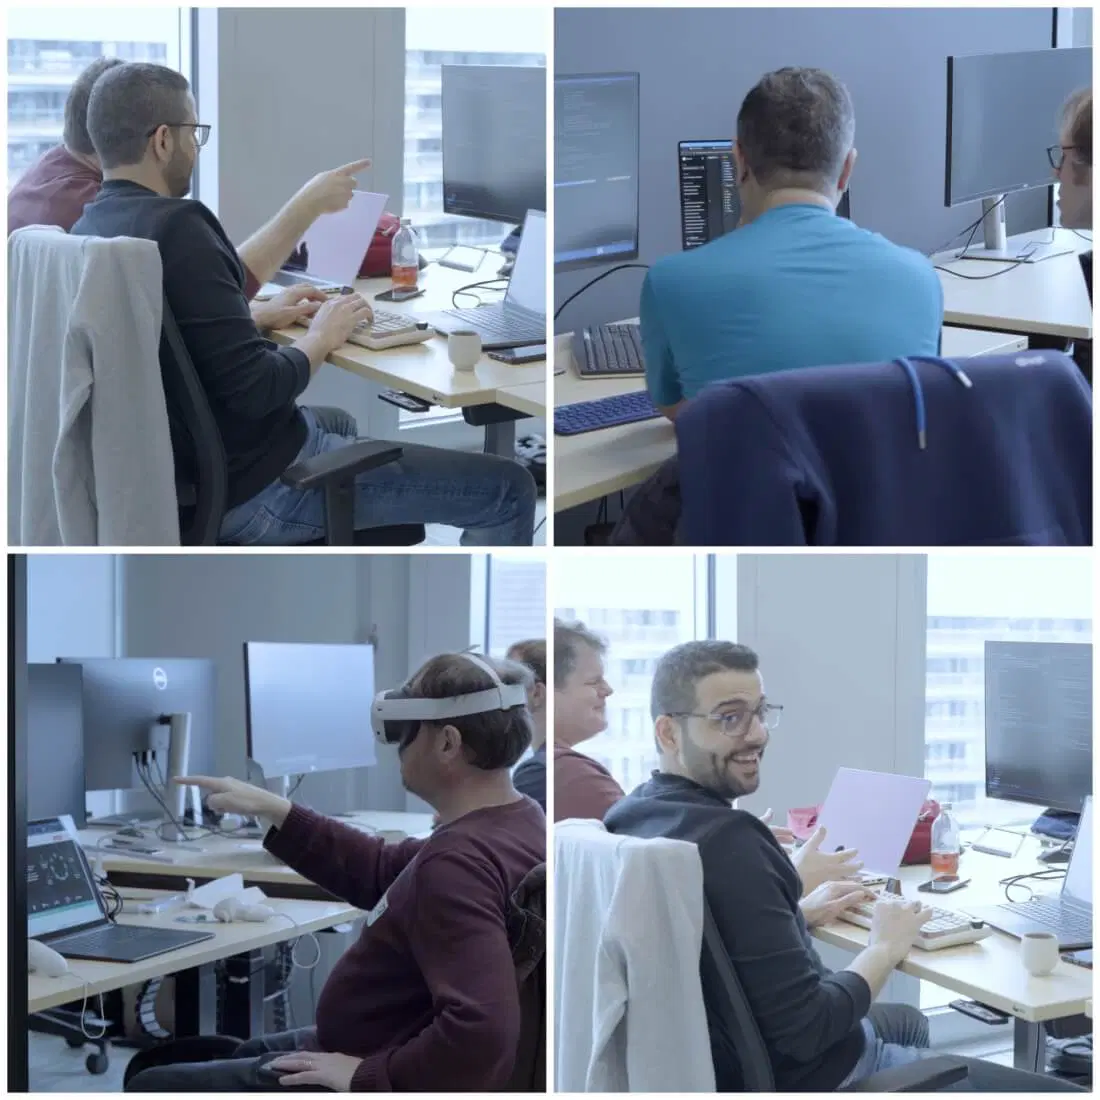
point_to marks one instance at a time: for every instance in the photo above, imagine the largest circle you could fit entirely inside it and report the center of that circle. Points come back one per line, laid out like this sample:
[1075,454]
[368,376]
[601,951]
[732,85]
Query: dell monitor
[494,141]
[1003,112]
[595,169]
[55,743]
[309,707]
[710,205]
[1038,723]
[126,701]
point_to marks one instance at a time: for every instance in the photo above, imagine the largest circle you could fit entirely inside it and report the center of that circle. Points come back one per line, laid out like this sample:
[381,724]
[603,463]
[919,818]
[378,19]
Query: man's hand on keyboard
[288,307]
[336,319]
[896,924]
[815,866]
[830,899]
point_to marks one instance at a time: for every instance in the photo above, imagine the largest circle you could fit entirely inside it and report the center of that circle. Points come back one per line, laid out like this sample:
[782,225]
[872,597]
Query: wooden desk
[589,466]
[216,856]
[989,971]
[1048,298]
[529,398]
[192,964]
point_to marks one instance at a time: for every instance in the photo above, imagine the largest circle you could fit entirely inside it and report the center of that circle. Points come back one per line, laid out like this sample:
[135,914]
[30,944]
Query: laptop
[520,320]
[331,253]
[1068,914]
[66,911]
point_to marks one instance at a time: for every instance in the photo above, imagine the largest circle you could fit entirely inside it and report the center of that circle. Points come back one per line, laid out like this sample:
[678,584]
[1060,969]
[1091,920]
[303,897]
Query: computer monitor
[1038,723]
[710,205]
[309,707]
[55,743]
[494,141]
[124,697]
[1003,112]
[595,169]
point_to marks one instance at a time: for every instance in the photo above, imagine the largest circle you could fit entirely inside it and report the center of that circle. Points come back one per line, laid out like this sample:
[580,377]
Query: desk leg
[1029,1046]
[244,995]
[196,1005]
[500,439]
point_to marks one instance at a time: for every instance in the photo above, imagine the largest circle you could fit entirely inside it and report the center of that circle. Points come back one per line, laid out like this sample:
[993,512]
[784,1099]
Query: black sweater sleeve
[203,278]
[752,889]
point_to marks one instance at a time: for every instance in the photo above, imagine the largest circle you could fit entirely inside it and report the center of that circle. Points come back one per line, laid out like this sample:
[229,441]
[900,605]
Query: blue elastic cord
[918,392]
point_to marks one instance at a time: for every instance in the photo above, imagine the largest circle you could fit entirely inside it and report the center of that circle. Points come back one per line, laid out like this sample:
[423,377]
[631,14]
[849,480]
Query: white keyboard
[943,929]
[388,330]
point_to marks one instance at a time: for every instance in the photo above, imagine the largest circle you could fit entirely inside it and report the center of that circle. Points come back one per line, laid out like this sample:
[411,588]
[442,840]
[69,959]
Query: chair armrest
[927,1075]
[345,463]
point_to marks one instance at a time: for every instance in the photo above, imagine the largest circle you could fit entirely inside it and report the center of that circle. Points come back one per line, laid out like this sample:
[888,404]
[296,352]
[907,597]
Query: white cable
[306,935]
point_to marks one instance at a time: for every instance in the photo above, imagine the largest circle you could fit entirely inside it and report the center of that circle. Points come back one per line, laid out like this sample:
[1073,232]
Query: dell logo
[160,679]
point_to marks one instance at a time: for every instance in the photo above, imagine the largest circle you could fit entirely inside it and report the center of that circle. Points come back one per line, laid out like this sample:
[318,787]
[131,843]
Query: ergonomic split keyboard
[943,929]
[606,412]
[609,351]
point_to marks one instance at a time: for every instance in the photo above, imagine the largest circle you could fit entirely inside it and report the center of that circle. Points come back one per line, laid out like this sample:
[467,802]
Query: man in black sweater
[712,724]
[143,124]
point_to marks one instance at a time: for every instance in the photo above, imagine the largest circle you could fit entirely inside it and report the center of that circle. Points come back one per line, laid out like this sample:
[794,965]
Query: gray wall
[697,64]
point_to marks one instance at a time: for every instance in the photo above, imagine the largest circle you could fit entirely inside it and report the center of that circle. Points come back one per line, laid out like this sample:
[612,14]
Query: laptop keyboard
[1050,913]
[118,941]
[497,322]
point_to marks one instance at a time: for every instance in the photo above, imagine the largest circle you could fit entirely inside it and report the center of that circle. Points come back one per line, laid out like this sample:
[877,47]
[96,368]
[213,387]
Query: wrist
[276,809]
[891,952]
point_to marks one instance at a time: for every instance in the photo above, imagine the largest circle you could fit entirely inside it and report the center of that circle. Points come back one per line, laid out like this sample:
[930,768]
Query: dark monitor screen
[1038,723]
[595,169]
[124,697]
[494,141]
[55,743]
[710,205]
[1003,111]
[309,707]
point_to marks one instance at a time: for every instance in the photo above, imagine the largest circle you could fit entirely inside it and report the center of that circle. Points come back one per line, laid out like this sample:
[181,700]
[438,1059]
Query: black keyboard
[1070,924]
[607,412]
[609,351]
[125,943]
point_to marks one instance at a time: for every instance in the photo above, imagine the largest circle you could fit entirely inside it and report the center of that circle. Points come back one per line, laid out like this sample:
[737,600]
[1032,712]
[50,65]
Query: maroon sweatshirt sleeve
[458,937]
[341,859]
[57,202]
[583,787]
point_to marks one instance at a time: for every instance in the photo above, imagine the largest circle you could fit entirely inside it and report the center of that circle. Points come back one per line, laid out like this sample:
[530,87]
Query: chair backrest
[203,488]
[527,937]
[733,1031]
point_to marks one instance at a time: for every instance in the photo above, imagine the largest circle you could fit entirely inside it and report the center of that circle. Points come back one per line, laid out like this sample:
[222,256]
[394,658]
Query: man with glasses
[712,723]
[142,121]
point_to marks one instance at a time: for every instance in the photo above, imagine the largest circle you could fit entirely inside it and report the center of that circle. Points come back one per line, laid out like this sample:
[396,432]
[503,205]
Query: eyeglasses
[1056,154]
[202,130]
[738,721]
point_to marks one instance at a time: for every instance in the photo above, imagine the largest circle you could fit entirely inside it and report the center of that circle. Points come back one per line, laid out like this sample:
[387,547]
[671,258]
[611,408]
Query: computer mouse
[129,830]
[45,960]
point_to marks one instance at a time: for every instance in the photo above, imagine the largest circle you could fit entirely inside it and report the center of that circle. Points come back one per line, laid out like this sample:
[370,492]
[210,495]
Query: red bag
[376,263]
[802,823]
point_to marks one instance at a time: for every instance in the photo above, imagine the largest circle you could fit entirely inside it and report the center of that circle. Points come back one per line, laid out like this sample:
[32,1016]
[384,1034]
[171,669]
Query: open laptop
[1068,914]
[519,320]
[65,909]
[331,253]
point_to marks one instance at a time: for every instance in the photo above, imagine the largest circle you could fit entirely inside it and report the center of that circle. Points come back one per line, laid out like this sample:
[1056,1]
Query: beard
[713,771]
[177,174]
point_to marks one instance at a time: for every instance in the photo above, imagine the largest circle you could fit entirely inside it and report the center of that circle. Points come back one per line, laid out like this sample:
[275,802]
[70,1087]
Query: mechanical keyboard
[609,351]
[387,330]
[943,929]
[606,412]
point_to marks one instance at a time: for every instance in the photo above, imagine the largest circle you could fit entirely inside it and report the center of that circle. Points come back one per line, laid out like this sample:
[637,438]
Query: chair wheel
[97,1063]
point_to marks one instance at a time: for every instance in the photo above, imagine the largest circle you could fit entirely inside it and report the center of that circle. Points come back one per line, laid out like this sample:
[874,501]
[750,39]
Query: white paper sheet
[338,242]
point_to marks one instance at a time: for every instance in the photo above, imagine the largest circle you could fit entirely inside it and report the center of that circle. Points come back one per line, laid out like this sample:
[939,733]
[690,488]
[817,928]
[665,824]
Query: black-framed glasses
[737,721]
[1056,154]
[201,129]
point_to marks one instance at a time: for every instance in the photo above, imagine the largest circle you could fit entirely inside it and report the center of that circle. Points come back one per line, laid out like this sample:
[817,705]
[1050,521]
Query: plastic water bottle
[946,843]
[405,258]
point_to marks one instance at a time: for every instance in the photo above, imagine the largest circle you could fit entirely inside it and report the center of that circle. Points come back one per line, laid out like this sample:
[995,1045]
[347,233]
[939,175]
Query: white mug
[464,349]
[1040,952]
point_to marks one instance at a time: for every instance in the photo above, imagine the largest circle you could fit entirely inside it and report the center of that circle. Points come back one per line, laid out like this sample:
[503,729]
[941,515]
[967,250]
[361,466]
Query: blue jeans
[492,498]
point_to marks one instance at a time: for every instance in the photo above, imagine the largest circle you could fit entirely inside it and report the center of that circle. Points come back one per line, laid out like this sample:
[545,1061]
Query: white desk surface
[1046,298]
[229,939]
[424,370]
[589,466]
[529,398]
[989,971]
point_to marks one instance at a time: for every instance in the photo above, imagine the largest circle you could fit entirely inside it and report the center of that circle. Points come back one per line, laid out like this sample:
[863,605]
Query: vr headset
[395,716]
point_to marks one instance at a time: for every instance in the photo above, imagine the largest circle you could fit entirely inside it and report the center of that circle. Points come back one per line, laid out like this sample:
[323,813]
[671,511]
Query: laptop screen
[1078,884]
[60,892]
[527,287]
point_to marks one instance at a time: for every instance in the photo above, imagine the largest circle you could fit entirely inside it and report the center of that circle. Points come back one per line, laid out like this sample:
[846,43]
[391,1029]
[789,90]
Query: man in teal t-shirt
[795,285]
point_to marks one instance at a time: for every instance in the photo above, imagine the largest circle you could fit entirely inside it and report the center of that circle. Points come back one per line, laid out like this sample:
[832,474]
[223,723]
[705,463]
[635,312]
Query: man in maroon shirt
[427,999]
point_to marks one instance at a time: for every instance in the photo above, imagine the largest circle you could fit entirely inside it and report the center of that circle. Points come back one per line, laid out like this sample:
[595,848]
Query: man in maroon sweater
[427,999]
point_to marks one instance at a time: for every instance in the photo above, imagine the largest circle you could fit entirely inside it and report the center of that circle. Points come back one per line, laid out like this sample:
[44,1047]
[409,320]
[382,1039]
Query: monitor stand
[1022,249]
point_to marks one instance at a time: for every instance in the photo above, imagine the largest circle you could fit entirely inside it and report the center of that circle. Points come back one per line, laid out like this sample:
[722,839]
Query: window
[516,606]
[640,620]
[454,36]
[42,66]
[972,600]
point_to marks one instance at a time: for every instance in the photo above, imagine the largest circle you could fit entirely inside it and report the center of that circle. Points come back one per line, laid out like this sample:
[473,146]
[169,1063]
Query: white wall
[73,606]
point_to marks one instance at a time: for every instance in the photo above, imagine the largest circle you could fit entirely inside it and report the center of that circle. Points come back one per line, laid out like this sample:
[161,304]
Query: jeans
[244,1071]
[881,1054]
[492,498]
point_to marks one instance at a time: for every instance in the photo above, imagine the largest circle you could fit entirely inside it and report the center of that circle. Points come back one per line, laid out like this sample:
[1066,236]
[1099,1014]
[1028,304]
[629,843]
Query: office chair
[202,496]
[526,926]
[734,1032]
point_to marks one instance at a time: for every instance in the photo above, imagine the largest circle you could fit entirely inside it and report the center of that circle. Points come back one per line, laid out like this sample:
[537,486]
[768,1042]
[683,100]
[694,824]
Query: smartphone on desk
[398,294]
[1079,958]
[515,356]
[943,884]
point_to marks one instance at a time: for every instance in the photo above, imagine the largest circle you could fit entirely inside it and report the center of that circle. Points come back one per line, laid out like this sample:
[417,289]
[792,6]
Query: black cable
[470,287]
[972,228]
[980,278]
[297,784]
[593,282]
[1083,236]
[540,523]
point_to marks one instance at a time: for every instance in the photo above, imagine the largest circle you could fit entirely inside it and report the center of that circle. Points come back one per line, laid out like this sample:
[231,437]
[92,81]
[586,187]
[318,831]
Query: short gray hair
[680,669]
[568,638]
[75,132]
[126,103]
[795,129]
